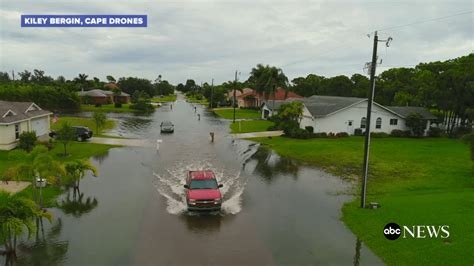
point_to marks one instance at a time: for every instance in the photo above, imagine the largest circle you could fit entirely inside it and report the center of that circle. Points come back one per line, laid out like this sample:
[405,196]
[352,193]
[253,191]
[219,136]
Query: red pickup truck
[202,191]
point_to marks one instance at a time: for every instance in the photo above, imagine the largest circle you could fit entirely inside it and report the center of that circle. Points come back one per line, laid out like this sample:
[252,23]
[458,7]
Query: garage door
[40,126]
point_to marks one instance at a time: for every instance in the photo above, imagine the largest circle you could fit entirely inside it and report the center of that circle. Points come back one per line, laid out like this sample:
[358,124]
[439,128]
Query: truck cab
[202,191]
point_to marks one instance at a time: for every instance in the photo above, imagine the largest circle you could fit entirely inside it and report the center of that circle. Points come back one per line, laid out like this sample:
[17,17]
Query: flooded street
[275,211]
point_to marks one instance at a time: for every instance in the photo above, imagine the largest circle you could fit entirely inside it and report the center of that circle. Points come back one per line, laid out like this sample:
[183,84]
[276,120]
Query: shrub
[379,135]
[397,133]
[320,135]
[435,132]
[358,132]
[272,128]
[331,135]
[98,105]
[299,133]
[118,105]
[27,140]
[342,135]
[310,129]
[416,123]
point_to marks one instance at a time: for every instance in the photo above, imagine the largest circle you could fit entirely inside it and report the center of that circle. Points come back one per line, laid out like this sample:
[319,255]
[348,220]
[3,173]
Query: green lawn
[167,98]
[82,121]
[193,99]
[228,113]
[245,126]
[78,150]
[416,181]
[107,108]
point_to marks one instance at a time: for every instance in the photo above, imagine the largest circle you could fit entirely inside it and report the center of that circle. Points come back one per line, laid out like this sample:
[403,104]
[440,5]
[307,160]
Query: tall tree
[266,79]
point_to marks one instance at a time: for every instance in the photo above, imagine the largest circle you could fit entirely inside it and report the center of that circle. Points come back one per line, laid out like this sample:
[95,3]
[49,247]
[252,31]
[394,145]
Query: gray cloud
[211,39]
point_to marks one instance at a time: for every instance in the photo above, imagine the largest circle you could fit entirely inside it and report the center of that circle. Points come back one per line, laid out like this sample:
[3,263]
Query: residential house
[17,117]
[345,114]
[251,98]
[96,96]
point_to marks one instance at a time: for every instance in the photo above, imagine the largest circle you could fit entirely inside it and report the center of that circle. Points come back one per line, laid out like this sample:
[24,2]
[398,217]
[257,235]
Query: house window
[393,122]
[350,123]
[378,123]
[362,122]
[17,131]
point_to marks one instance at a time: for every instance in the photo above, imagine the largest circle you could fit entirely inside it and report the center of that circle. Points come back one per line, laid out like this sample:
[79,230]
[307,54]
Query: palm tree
[266,79]
[75,172]
[36,166]
[16,214]
[81,79]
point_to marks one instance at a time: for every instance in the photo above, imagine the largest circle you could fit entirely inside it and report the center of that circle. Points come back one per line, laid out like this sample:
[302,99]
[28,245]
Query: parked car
[167,127]
[202,191]
[82,133]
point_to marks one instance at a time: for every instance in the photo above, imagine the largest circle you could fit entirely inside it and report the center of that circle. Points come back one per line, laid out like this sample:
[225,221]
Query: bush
[118,105]
[310,129]
[342,135]
[299,133]
[320,135]
[98,105]
[27,140]
[397,133]
[379,135]
[358,132]
[273,128]
[331,135]
[435,132]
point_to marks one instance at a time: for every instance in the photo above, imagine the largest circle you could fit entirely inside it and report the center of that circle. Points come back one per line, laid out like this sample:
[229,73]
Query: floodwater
[275,211]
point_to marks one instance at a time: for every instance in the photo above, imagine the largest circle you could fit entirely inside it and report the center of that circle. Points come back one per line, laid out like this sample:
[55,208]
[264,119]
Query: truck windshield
[203,184]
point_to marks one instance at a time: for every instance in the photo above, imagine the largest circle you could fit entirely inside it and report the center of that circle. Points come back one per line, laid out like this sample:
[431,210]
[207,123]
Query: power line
[427,20]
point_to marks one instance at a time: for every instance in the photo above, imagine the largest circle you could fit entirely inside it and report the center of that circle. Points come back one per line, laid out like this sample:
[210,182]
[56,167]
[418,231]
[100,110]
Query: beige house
[17,117]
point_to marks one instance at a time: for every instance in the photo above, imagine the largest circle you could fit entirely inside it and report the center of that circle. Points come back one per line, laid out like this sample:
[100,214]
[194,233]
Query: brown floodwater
[275,210]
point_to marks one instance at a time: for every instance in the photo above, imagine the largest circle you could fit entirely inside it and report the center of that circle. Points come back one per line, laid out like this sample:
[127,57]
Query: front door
[350,127]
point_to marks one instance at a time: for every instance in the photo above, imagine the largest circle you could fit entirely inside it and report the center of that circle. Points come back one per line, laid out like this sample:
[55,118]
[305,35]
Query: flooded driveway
[275,211]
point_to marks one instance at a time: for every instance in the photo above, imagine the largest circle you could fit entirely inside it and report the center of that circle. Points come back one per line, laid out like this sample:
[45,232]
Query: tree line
[61,93]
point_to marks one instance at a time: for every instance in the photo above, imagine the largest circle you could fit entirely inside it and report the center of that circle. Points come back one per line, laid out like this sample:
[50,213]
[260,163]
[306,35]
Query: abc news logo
[393,231]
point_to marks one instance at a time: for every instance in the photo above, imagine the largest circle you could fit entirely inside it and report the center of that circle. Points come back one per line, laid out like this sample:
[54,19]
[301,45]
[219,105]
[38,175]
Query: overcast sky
[204,39]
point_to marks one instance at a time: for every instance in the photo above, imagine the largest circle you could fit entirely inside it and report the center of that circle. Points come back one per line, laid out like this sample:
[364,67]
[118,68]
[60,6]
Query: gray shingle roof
[19,112]
[324,105]
[320,106]
[404,111]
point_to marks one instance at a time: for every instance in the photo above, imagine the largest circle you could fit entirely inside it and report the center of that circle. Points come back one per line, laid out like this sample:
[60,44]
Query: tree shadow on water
[46,249]
[77,205]
[270,165]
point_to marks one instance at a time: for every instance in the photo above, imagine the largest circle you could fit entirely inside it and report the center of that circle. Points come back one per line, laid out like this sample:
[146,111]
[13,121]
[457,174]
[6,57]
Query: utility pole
[372,68]
[235,88]
[212,91]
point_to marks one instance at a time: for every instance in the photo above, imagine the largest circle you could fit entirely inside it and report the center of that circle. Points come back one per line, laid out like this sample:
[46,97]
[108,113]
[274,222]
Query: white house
[345,114]
[17,117]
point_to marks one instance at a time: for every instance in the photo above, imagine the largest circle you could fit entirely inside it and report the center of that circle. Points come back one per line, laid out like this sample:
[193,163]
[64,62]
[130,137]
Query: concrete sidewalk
[262,134]
[121,142]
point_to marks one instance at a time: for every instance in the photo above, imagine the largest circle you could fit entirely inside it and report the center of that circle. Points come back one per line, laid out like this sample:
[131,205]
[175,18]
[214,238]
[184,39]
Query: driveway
[121,142]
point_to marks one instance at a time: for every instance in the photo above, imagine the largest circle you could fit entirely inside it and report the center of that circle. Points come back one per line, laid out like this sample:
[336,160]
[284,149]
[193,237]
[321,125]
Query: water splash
[170,185]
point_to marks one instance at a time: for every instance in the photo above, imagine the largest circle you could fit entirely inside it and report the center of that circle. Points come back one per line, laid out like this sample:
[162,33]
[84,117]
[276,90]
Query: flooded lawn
[275,211]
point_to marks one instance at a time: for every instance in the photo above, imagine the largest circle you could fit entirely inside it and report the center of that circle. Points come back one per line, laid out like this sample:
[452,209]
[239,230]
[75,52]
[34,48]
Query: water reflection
[101,157]
[202,223]
[270,165]
[77,205]
[47,249]
[357,252]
